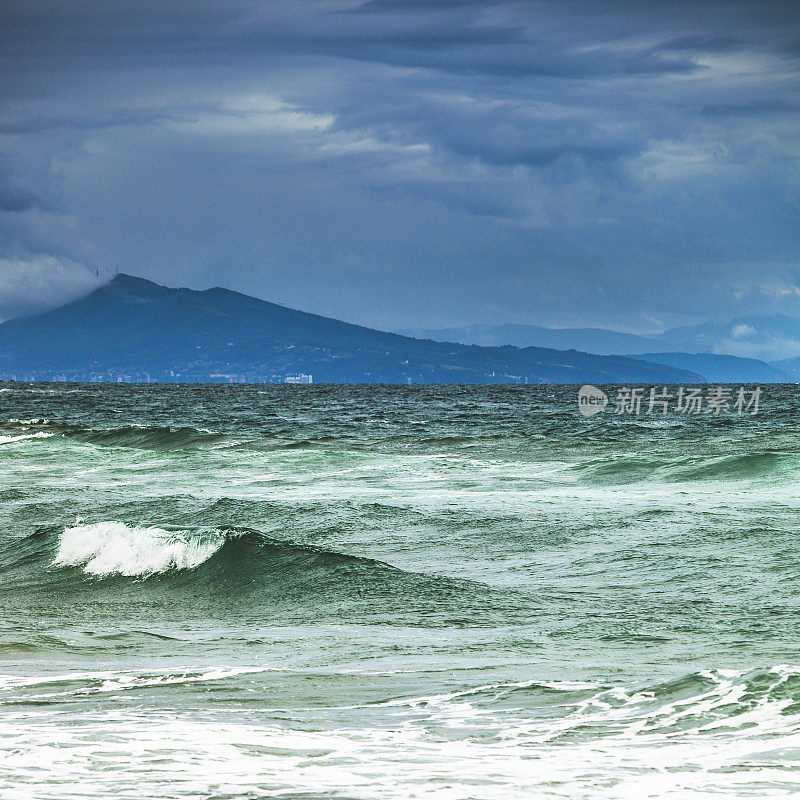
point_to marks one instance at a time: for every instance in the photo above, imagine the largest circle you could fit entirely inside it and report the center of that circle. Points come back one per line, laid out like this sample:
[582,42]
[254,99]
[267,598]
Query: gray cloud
[628,163]
[15,199]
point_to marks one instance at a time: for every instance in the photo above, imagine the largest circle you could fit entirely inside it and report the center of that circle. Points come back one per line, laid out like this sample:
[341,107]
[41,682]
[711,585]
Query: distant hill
[590,340]
[705,349]
[766,337]
[723,369]
[132,329]
[791,366]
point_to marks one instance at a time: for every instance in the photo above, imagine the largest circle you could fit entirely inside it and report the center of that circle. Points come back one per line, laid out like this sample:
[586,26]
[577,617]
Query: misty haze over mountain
[132,329]
[766,337]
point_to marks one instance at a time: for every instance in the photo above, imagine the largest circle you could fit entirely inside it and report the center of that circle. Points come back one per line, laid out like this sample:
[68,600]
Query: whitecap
[21,437]
[109,548]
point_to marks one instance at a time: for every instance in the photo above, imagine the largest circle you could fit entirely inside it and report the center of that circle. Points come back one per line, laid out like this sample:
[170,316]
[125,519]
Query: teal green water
[378,592]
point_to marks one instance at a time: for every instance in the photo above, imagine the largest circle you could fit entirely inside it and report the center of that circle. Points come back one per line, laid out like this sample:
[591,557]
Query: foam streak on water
[394,592]
[610,744]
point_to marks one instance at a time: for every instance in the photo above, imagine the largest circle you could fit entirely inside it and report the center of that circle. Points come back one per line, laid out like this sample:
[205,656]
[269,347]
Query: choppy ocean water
[376,592]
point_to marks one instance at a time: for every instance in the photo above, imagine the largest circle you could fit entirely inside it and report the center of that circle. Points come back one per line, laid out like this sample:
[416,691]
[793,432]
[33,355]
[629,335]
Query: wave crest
[632,468]
[22,437]
[146,437]
[113,548]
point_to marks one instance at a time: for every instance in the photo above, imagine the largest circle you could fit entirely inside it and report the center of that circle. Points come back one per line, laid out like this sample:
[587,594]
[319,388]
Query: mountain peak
[124,281]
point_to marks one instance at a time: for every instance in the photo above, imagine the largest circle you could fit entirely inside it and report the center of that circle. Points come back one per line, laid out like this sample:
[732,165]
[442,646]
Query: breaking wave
[154,437]
[23,436]
[107,549]
[113,548]
[629,468]
[187,573]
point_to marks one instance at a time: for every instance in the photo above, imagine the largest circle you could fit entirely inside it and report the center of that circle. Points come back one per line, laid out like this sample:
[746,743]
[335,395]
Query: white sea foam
[108,548]
[66,684]
[619,744]
[23,436]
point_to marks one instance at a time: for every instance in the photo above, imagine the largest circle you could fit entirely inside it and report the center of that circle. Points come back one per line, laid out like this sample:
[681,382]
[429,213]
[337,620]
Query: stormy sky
[404,163]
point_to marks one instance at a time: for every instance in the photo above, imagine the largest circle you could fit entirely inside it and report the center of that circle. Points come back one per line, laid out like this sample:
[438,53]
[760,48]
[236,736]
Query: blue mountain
[712,349]
[133,329]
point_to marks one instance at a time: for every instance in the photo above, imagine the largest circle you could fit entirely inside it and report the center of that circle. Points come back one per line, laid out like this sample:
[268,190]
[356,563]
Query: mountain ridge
[727,351]
[134,329]
[766,337]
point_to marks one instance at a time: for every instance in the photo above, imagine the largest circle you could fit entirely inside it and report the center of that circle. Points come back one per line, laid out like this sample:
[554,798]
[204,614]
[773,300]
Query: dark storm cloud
[758,107]
[15,199]
[472,38]
[117,118]
[389,161]
[706,44]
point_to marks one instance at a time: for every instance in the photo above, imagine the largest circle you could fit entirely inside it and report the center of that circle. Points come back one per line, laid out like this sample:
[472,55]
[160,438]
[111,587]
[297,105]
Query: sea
[373,592]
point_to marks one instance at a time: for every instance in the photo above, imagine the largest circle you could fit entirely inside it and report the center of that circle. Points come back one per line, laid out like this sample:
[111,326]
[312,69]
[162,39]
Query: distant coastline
[133,330]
